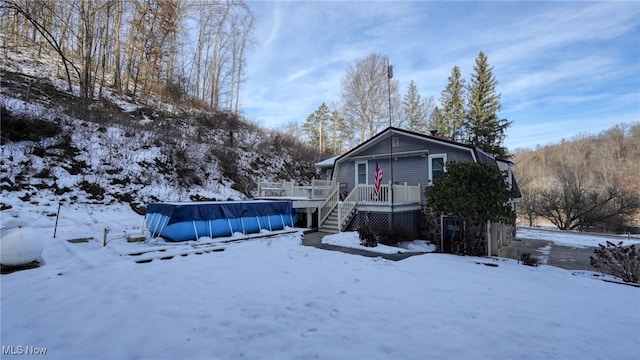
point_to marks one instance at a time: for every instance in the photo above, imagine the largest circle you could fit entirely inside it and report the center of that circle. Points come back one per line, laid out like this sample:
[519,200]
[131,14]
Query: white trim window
[362,172]
[437,166]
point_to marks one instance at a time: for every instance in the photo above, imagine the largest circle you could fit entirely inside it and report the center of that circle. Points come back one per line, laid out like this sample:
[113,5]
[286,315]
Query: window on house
[395,141]
[436,166]
[361,172]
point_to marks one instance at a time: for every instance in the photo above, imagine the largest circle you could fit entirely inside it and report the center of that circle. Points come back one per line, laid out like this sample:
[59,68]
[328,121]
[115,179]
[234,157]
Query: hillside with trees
[586,183]
[139,48]
[114,149]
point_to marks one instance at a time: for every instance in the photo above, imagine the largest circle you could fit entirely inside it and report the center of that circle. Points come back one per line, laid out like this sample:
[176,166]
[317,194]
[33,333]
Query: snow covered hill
[113,151]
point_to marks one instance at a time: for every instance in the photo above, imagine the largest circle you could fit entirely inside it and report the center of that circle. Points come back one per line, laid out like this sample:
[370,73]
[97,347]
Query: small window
[361,172]
[436,166]
[395,141]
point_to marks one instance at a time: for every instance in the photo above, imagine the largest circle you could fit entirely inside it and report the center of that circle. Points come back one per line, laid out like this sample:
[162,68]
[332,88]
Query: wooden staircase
[339,218]
[335,215]
[330,224]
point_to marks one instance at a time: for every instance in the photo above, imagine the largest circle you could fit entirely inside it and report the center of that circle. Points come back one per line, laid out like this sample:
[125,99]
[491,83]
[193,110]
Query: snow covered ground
[273,298]
[352,240]
[573,238]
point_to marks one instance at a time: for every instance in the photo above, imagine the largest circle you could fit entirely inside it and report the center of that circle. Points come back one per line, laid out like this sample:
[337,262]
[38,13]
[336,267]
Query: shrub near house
[474,194]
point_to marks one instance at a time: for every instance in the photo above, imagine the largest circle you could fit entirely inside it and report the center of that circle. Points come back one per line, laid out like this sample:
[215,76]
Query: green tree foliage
[483,126]
[316,126]
[338,132]
[414,109]
[449,117]
[473,194]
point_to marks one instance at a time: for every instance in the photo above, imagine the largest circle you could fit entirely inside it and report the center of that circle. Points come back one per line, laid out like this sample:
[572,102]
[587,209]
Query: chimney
[434,133]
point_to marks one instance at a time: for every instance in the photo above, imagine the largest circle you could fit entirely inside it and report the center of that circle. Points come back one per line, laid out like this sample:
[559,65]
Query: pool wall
[190,221]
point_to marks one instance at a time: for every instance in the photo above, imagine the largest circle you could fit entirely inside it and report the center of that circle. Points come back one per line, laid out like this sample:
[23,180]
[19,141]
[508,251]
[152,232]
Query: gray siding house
[409,162]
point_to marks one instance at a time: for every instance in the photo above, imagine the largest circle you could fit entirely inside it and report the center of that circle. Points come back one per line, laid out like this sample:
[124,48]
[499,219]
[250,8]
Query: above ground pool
[190,221]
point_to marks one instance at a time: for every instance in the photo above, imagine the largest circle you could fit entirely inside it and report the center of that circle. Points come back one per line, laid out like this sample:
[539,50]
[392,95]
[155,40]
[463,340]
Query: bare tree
[573,204]
[224,33]
[365,94]
[39,28]
[242,40]
[138,46]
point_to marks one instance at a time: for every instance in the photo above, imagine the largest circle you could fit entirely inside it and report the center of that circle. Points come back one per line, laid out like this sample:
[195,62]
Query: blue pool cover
[190,221]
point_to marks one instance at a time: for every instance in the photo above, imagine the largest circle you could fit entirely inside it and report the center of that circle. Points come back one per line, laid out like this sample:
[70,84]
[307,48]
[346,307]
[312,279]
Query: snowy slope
[112,150]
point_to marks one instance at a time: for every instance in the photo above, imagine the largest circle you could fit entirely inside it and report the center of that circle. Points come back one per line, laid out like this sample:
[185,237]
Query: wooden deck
[317,189]
[335,210]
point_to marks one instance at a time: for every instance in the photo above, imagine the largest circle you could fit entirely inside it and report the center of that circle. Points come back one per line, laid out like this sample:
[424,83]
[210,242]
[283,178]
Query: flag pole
[389,76]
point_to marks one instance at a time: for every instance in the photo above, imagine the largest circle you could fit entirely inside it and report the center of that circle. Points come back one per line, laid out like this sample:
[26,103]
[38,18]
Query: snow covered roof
[327,162]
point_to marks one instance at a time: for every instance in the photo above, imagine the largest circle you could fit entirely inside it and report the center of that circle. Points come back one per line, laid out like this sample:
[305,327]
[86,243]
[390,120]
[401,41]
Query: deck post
[406,192]
[313,188]
[339,218]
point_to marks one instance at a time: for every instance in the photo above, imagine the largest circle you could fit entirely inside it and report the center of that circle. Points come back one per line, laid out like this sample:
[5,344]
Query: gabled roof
[478,155]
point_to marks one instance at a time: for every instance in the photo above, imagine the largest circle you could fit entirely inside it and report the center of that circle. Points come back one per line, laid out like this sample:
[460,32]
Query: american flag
[377,181]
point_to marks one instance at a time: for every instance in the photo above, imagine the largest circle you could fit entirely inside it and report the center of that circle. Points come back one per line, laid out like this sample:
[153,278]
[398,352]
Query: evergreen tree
[449,118]
[316,127]
[337,132]
[414,110]
[437,119]
[484,129]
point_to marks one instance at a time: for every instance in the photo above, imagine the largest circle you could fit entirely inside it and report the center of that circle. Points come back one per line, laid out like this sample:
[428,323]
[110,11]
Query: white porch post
[488,238]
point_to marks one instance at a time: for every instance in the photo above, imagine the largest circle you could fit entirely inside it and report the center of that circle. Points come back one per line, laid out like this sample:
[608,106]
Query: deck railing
[317,189]
[402,194]
[325,209]
[406,194]
[366,195]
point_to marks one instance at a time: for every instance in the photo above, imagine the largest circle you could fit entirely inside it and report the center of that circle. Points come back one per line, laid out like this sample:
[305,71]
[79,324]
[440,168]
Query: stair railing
[327,206]
[348,205]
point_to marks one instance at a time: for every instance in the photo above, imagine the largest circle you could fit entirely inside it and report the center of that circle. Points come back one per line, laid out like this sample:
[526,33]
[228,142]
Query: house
[404,163]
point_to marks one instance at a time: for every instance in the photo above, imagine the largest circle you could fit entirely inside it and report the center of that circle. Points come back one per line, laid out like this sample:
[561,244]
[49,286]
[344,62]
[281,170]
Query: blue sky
[563,68]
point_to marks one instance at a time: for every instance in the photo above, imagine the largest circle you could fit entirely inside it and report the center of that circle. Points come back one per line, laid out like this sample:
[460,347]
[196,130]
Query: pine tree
[484,129]
[449,117]
[316,126]
[414,109]
[337,132]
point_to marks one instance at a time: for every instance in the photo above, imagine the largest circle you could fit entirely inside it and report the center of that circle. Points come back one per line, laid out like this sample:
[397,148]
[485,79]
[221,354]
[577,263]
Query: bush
[95,191]
[367,237]
[529,260]
[618,260]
